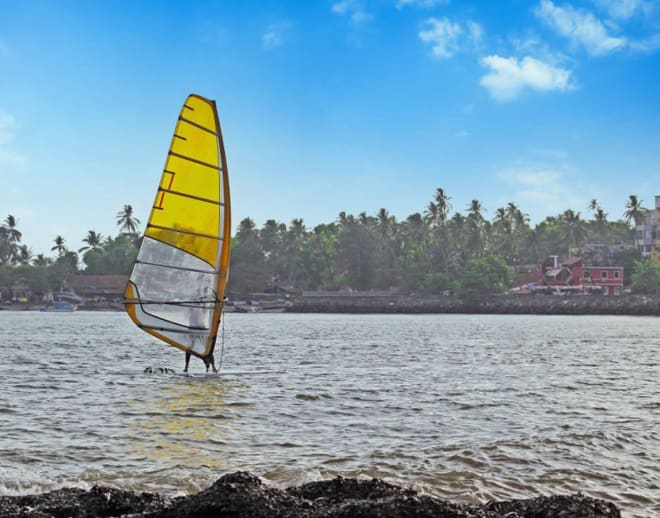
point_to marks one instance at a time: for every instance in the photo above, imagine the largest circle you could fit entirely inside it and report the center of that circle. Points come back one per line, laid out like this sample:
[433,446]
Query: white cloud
[509,77]
[342,7]
[580,27]
[475,31]
[548,187]
[271,39]
[649,44]
[353,9]
[447,37]
[424,4]
[624,9]
[8,156]
[276,34]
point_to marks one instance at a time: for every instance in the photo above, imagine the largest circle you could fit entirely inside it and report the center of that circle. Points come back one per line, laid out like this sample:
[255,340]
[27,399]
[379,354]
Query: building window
[587,275]
[603,275]
[617,274]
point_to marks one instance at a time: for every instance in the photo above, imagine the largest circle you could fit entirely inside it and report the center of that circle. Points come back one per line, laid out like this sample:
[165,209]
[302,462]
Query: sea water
[465,407]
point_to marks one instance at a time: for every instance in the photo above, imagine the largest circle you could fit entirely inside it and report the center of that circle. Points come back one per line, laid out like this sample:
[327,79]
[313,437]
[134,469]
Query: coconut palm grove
[438,250]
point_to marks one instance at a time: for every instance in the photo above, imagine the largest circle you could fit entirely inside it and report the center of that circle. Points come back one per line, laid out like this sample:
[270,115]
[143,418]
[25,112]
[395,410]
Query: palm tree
[573,229]
[503,233]
[635,211]
[24,254]
[293,239]
[42,260]
[10,225]
[593,204]
[11,238]
[442,206]
[600,223]
[475,223]
[385,222]
[94,241]
[126,221]
[5,248]
[59,247]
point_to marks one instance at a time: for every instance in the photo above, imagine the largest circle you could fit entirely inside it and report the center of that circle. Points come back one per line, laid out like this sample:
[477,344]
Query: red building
[572,276]
[607,280]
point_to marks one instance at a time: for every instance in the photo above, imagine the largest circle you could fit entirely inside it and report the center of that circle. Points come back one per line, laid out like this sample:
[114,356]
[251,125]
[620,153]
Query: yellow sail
[176,288]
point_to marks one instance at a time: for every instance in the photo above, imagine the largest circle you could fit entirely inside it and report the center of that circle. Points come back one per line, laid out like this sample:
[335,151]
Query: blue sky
[329,106]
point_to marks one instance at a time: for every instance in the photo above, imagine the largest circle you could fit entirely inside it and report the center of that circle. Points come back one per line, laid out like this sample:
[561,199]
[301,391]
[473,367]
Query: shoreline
[244,494]
[632,305]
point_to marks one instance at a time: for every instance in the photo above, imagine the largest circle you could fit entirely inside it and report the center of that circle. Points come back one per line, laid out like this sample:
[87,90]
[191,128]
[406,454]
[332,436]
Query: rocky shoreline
[636,305]
[242,494]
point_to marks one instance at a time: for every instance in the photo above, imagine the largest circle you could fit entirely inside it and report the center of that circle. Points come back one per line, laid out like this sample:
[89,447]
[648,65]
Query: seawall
[637,305]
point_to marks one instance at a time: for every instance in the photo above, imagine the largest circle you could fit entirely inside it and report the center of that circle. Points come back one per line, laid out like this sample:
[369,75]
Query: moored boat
[60,306]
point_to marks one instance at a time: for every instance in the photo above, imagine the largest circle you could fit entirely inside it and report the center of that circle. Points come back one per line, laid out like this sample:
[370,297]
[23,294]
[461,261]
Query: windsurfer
[209,361]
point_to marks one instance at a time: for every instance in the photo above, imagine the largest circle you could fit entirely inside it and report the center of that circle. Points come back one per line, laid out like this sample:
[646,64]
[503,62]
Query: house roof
[571,261]
[554,272]
[98,283]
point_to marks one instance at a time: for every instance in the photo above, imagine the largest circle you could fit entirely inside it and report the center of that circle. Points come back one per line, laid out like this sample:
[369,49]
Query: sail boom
[201,330]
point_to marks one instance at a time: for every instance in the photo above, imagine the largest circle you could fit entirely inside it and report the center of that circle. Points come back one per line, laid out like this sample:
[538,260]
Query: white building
[648,232]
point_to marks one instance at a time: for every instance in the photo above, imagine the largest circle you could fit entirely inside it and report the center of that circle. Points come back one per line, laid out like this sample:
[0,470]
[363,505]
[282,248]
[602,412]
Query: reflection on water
[465,407]
[184,423]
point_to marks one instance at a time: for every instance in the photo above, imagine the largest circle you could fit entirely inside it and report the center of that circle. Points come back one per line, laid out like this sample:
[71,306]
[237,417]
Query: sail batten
[191,196]
[191,159]
[176,288]
[178,267]
[184,119]
[181,231]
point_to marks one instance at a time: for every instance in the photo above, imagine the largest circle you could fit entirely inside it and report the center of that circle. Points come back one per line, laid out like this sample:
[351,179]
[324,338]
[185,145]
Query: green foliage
[427,252]
[434,283]
[646,278]
[248,266]
[486,276]
[116,256]
[627,258]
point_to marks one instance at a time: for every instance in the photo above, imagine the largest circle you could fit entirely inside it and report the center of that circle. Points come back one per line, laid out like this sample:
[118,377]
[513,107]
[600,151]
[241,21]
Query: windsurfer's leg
[185,369]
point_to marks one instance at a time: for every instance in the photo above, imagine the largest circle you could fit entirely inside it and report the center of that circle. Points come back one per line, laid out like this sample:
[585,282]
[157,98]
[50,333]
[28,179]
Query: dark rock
[78,503]
[239,494]
[243,495]
[556,506]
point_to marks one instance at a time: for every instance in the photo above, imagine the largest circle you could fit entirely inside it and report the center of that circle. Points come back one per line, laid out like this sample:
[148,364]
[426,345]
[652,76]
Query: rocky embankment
[498,304]
[243,495]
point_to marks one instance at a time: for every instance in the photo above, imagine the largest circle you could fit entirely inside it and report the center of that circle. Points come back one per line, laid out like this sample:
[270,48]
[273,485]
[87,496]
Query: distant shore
[636,305]
[633,305]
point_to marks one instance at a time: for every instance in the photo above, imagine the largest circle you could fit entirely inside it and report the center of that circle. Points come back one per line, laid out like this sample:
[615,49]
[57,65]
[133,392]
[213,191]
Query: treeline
[42,274]
[431,251]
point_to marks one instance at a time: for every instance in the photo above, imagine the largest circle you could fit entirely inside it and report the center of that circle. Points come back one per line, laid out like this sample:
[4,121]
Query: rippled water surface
[465,407]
